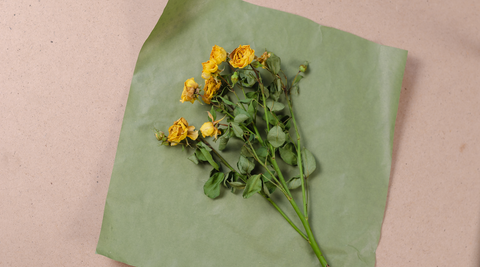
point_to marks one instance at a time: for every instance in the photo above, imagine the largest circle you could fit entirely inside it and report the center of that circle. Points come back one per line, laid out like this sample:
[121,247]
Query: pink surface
[65,73]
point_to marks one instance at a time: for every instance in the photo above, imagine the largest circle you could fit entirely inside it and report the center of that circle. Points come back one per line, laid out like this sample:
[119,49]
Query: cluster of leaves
[259,119]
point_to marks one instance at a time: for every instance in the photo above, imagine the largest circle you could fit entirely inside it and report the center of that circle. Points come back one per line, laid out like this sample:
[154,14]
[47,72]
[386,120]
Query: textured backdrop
[65,73]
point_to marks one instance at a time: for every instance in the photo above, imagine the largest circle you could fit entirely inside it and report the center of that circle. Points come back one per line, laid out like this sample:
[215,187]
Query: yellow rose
[218,54]
[263,58]
[211,88]
[209,67]
[242,56]
[208,129]
[190,91]
[179,131]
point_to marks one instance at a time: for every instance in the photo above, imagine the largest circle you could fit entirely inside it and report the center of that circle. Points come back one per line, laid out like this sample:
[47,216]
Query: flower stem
[225,162]
[277,183]
[286,218]
[299,158]
[306,225]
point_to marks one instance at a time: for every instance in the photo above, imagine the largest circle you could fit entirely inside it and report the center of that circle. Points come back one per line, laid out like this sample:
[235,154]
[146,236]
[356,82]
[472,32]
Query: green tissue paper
[156,213]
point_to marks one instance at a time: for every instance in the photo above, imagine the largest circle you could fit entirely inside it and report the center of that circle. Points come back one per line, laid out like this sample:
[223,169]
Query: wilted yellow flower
[211,88]
[179,131]
[209,67]
[263,58]
[190,91]
[209,128]
[242,56]
[218,54]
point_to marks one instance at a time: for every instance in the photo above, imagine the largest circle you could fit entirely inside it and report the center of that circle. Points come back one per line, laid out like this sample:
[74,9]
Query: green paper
[156,213]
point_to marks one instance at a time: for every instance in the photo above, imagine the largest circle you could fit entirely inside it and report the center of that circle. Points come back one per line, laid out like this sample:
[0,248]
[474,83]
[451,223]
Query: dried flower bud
[235,77]
[160,135]
[304,66]
[264,57]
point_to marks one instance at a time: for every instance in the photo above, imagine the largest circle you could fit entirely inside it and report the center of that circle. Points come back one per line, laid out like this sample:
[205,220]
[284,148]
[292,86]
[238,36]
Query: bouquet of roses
[248,96]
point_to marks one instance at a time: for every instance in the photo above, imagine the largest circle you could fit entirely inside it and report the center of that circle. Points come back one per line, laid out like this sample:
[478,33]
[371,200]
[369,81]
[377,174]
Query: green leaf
[245,101]
[212,186]
[262,153]
[288,154]
[226,101]
[193,158]
[247,77]
[230,177]
[309,163]
[237,185]
[279,85]
[294,182]
[271,119]
[276,136]
[297,79]
[241,118]
[273,63]
[252,95]
[209,158]
[214,113]
[206,152]
[251,109]
[256,64]
[268,185]
[254,185]
[274,93]
[200,155]
[201,144]
[230,133]
[288,124]
[275,96]
[237,130]
[245,166]
[251,138]
[295,83]
[265,190]
[223,140]
[274,106]
[245,151]
[239,110]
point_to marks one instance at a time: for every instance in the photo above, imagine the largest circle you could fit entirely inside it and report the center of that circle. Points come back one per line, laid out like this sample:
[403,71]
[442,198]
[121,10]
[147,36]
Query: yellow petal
[193,135]
[207,129]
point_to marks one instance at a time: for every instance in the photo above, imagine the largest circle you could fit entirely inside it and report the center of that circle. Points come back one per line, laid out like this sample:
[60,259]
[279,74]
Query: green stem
[265,109]
[273,161]
[244,180]
[245,95]
[288,219]
[260,139]
[263,96]
[231,116]
[306,225]
[277,183]
[299,158]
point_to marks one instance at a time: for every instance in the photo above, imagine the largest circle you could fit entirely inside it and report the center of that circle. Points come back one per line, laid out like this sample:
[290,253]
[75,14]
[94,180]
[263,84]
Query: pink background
[65,72]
